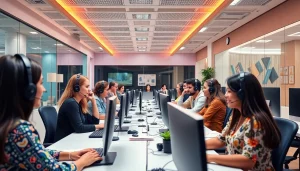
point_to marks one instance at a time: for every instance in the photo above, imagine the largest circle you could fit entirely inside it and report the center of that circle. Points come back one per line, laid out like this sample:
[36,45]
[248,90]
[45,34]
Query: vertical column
[15,43]
[84,65]
[210,58]
[49,66]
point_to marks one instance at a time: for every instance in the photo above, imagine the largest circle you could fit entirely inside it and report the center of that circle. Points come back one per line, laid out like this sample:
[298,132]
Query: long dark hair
[13,105]
[217,92]
[254,104]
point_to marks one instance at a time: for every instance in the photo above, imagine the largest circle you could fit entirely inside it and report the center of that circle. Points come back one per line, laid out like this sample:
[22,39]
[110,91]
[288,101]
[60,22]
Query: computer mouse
[153,123]
[135,135]
[132,132]
[115,138]
[141,120]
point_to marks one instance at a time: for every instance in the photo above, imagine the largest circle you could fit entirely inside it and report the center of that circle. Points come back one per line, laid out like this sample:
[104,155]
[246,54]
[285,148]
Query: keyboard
[99,151]
[99,133]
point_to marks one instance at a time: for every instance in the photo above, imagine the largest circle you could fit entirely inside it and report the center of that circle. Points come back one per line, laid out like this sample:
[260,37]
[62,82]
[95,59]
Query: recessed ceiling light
[33,32]
[295,34]
[141,16]
[182,48]
[69,50]
[46,51]
[248,47]
[203,29]
[142,50]
[263,41]
[58,44]
[142,29]
[141,39]
[100,48]
[141,47]
[235,2]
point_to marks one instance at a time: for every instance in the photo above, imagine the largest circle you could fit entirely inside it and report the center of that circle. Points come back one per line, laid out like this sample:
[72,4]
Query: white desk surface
[131,155]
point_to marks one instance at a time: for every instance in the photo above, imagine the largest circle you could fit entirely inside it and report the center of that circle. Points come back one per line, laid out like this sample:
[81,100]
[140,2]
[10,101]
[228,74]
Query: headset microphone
[83,94]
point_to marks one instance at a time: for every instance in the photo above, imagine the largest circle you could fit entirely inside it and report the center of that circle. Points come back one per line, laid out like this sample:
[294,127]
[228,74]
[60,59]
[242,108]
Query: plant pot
[167,146]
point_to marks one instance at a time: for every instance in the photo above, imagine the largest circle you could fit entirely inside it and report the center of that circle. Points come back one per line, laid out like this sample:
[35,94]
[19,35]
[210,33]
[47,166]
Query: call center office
[152,37]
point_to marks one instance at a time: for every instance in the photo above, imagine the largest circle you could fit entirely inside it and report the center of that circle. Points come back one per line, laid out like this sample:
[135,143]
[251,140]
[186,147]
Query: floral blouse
[239,142]
[24,151]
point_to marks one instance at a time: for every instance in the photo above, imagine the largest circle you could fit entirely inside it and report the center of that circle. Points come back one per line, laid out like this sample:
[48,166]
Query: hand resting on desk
[99,126]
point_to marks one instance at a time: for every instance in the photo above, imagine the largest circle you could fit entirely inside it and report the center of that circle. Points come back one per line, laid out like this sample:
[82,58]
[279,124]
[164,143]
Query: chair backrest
[49,117]
[288,130]
[227,116]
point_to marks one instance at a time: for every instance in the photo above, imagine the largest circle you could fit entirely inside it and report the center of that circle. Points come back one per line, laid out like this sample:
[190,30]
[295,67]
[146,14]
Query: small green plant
[166,135]
[207,74]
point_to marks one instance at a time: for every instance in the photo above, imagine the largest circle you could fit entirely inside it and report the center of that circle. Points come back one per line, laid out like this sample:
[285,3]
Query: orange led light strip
[211,13]
[70,12]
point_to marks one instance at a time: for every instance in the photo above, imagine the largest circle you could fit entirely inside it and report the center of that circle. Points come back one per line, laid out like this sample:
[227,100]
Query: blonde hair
[69,92]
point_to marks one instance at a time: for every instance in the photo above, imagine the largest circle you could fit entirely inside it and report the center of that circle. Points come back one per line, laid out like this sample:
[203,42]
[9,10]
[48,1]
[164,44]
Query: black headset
[240,93]
[211,87]
[101,88]
[197,85]
[76,87]
[30,88]
[181,87]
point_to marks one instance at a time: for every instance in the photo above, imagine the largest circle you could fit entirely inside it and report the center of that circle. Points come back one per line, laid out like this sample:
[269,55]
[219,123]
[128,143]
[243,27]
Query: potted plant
[207,73]
[166,141]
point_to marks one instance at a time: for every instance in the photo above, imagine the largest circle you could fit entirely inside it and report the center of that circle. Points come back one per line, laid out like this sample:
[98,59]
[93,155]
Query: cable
[167,164]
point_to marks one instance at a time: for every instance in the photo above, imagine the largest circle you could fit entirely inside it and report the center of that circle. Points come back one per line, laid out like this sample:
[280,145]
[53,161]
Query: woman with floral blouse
[21,89]
[251,132]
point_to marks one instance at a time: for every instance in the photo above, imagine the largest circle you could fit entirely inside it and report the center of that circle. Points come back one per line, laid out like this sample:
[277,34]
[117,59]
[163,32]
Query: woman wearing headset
[73,109]
[251,132]
[100,91]
[20,147]
[179,89]
[214,109]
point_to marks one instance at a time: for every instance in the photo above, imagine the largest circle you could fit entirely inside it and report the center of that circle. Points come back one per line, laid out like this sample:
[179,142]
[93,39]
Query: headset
[181,87]
[76,87]
[101,88]
[240,93]
[197,86]
[30,88]
[211,87]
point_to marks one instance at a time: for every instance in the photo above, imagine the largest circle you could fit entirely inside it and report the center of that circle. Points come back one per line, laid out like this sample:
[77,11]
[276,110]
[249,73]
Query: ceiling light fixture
[58,44]
[100,48]
[141,47]
[46,51]
[141,16]
[71,13]
[182,48]
[142,29]
[203,29]
[263,41]
[33,32]
[142,50]
[141,39]
[210,14]
[234,2]
[36,48]
[295,34]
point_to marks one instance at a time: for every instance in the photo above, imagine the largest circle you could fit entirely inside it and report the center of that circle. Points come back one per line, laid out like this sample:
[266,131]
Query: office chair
[288,130]
[296,144]
[49,117]
[226,119]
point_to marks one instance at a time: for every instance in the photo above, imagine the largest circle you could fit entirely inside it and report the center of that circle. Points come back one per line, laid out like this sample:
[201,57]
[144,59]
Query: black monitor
[294,106]
[140,104]
[273,95]
[121,115]
[188,140]
[108,132]
[132,95]
[164,99]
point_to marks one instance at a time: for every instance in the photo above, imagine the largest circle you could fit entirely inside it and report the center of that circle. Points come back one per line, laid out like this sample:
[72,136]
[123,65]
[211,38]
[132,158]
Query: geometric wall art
[254,70]
[266,61]
[232,69]
[273,76]
[259,67]
[267,76]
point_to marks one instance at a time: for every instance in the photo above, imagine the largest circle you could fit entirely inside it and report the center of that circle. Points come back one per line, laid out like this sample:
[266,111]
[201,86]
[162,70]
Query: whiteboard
[144,79]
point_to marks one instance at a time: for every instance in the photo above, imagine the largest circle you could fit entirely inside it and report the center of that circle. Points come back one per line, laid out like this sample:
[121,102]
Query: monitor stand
[128,117]
[123,129]
[158,113]
[109,159]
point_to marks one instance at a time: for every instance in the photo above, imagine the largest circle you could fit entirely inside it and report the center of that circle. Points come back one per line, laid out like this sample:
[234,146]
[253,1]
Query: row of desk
[133,155]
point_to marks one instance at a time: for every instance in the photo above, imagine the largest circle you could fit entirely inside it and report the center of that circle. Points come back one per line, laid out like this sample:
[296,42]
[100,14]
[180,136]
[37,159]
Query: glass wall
[274,59]
[136,77]
[54,57]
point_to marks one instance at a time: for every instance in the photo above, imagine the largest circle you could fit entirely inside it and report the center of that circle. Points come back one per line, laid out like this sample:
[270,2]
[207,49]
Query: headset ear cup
[30,91]
[240,94]
[76,88]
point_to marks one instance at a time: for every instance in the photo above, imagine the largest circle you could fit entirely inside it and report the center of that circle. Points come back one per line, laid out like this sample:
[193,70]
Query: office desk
[131,155]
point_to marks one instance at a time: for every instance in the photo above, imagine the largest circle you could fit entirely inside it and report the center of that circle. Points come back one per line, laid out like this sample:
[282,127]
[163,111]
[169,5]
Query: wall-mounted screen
[144,79]
[124,78]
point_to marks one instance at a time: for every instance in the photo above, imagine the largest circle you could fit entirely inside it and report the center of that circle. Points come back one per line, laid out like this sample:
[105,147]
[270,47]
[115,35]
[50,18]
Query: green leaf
[166,135]
[207,74]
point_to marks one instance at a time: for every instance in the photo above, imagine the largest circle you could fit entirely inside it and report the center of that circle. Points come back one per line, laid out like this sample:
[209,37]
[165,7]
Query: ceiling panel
[181,2]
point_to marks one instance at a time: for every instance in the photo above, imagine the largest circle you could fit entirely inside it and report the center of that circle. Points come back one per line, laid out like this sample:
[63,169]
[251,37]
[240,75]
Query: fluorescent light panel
[58,44]
[182,48]
[235,2]
[33,32]
[142,50]
[141,16]
[203,29]
[141,47]
[263,41]
[142,29]
[295,34]
[141,39]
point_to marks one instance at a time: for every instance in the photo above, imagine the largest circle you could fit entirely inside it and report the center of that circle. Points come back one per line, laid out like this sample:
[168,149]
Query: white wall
[202,64]
[222,67]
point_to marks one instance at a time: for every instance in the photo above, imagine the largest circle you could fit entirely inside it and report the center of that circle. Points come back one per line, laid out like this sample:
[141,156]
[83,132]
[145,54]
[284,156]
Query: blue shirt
[101,105]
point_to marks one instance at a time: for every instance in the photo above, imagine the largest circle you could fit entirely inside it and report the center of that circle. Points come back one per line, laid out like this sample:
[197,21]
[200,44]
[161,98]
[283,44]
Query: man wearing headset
[196,100]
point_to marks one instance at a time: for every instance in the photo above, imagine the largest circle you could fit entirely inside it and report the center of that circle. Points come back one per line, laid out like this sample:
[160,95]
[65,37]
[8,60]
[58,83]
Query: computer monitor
[140,104]
[108,132]
[121,115]
[294,107]
[164,99]
[273,95]
[147,95]
[188,140]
